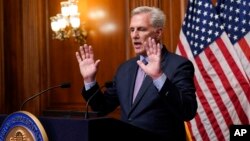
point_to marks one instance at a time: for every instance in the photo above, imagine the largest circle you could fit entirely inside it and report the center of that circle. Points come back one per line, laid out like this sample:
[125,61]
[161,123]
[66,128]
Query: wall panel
[34,41]
[2,84]
[13,67]
[24,40]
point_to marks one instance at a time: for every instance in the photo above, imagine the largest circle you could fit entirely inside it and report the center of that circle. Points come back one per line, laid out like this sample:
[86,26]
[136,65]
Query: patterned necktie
[139,79]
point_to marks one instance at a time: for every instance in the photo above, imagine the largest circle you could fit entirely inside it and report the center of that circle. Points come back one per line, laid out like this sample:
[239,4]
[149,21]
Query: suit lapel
[145,85]
[132,71]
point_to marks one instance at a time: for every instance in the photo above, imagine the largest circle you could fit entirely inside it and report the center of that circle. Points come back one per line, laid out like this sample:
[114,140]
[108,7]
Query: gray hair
[158,18]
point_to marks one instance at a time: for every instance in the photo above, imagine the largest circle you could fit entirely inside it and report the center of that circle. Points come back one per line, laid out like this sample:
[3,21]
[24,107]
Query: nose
[135,34]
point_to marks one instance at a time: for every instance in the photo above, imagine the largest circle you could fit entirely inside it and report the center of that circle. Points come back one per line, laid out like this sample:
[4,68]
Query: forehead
[142,19]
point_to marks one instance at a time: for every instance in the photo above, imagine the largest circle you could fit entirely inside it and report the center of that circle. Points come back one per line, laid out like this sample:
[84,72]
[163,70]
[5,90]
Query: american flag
[222,87]
[235,16]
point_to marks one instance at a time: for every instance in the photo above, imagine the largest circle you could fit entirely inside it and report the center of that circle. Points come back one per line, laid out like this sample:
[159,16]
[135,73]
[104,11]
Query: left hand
[153,68]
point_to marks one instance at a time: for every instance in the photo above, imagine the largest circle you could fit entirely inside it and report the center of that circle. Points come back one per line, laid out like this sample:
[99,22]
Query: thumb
[97,62]
[141,65]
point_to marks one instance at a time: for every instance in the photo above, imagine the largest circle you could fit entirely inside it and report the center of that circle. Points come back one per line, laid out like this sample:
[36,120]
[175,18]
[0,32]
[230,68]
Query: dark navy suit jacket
[162,112]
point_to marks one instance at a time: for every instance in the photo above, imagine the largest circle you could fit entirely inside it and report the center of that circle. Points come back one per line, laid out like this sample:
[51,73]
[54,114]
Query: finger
[91,52]
[158,49]
[86,50]
[145,45]
[78,57]
[149,44]
[141,65]
[82,53]
[97,63]
[154,47]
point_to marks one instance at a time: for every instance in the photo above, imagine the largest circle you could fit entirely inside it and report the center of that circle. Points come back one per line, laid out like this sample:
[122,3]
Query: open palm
[153,68]
[88,66]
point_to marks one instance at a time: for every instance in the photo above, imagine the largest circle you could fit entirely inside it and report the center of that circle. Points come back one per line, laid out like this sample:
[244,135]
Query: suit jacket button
[166,93]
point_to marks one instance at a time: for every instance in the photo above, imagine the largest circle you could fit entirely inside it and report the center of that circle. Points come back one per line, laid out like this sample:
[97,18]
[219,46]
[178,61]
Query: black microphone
[107,85]
[62,85]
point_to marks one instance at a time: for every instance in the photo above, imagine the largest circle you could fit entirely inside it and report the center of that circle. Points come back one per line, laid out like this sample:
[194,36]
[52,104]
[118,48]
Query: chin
[140,52]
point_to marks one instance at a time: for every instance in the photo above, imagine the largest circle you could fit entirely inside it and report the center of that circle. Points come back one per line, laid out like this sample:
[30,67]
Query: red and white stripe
[242,47]
[222,88]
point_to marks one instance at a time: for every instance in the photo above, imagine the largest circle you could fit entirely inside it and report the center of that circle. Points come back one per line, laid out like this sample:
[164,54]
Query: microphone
[62,85]
[107,85]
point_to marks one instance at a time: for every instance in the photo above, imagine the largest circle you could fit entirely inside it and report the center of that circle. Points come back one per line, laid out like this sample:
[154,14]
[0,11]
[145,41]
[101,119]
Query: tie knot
[145,62]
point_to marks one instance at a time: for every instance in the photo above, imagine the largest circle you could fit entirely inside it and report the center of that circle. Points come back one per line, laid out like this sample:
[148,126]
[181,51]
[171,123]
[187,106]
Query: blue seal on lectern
[22,126]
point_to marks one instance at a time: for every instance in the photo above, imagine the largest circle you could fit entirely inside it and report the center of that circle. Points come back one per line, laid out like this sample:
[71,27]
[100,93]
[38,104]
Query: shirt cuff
[89,85]
[159,82]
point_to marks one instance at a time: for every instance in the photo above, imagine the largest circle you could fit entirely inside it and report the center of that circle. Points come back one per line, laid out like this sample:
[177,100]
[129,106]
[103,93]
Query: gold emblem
[19,133]
[22,126]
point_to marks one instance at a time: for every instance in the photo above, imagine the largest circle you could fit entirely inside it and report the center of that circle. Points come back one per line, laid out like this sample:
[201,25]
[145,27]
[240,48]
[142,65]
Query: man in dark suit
[166,97]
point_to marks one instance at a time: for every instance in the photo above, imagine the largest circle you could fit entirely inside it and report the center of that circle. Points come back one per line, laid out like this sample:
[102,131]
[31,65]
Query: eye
[142,29]
[132,29]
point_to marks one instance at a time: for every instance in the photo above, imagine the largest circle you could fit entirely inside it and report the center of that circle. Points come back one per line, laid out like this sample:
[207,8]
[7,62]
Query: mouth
[137,45]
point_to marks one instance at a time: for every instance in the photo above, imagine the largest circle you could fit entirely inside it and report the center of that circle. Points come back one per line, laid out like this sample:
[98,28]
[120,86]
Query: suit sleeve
[179,91]
[100,102]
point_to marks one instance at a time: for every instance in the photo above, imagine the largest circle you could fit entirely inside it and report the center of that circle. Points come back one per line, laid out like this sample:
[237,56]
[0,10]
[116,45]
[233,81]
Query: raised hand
[153,68]
[88,66]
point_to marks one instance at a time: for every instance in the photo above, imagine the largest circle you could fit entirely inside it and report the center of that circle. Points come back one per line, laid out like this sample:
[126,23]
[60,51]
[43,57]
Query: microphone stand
[63,85]
[87,103]
[107,84]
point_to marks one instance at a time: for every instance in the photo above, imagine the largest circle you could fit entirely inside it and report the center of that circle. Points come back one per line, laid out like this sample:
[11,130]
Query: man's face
[140,30]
